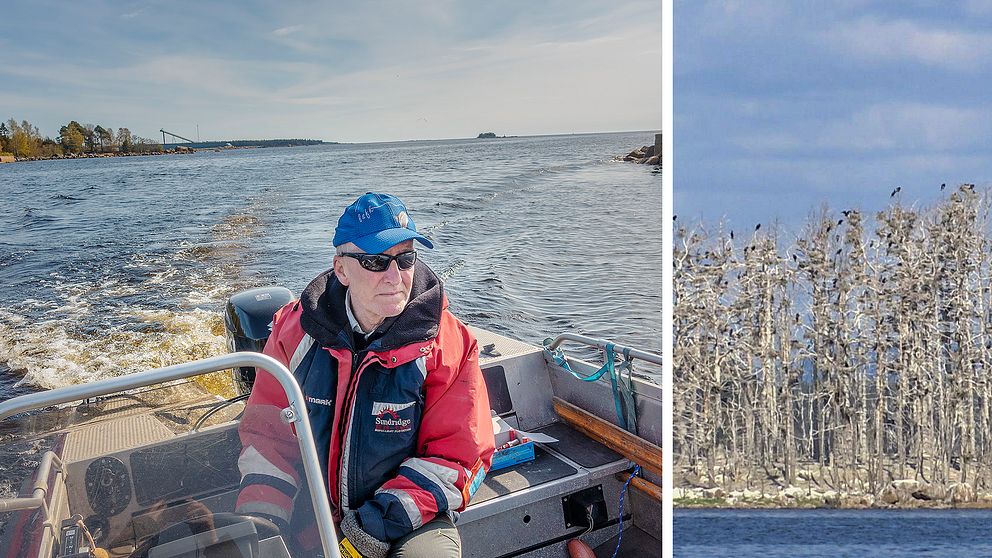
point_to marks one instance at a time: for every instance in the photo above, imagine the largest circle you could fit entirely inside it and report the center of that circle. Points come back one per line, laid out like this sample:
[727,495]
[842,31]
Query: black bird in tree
[756,227]
[942,186]
[896,191]
[731,235]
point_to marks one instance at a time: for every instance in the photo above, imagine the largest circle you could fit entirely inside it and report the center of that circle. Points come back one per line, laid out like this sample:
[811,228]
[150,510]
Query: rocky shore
[897,494]
[13,159]
[645,155]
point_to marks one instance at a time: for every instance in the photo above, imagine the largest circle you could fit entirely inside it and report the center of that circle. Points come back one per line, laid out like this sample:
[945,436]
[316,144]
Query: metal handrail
[39,489]
[296,412]
[601,344]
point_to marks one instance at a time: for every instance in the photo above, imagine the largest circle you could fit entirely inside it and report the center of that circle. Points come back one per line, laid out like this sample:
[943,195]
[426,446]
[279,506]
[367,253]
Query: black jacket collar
[325,319]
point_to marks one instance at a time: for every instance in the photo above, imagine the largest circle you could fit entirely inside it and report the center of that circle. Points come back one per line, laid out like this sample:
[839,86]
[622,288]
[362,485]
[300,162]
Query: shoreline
[682,505]
[96,156]
[180,151]
[896,495]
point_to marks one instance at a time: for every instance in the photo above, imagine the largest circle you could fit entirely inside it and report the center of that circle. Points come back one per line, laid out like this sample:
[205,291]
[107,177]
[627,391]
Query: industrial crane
[177,136]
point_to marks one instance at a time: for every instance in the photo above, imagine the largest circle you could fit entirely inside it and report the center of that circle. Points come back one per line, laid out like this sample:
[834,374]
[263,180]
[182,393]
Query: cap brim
[381,241]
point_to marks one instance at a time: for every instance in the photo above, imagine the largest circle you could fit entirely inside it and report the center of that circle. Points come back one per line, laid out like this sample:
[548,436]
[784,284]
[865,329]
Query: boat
[145,464]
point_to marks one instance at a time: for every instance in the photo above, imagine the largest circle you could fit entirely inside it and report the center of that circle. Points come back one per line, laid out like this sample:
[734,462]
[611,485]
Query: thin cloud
[361,72]
[909,127]
[880,41]
[780,108]
[285,31]
[316,101]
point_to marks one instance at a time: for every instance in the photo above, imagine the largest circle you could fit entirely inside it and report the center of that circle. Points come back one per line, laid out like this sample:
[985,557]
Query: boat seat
[524,510]
[521,509]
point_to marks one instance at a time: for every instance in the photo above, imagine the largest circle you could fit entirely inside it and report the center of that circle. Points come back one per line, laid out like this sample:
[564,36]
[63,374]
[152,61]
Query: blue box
[512,456]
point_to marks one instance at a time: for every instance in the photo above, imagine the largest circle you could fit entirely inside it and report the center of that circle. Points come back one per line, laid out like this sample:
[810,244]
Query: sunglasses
[380,262]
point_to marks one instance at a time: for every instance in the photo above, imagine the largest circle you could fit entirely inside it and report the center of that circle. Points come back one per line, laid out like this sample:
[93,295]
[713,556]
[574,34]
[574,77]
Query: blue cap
[375,223]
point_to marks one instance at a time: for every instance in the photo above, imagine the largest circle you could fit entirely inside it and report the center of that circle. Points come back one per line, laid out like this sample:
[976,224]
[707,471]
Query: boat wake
[157,309]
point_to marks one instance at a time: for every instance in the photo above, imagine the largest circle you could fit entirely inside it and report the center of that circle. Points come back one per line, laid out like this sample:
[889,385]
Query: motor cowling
[248,321]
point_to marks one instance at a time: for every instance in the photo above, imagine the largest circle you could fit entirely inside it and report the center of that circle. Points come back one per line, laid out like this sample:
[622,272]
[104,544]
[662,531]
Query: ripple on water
[107,257]
[823,533]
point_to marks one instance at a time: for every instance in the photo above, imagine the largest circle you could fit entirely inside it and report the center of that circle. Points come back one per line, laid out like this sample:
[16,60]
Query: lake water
[831,533]
[110,266]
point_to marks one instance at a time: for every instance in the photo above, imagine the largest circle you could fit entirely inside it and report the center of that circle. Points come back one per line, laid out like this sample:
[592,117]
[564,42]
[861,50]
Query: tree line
[24,140]
[860,350]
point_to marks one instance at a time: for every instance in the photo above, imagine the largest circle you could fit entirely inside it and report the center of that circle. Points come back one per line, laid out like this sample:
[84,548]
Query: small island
[487,135]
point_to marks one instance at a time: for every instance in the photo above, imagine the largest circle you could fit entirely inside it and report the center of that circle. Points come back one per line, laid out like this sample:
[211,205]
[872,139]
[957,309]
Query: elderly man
[394,393]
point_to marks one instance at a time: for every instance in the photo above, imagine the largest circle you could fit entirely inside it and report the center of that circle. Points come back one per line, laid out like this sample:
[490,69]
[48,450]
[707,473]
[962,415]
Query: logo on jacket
[388,419]
[320,401]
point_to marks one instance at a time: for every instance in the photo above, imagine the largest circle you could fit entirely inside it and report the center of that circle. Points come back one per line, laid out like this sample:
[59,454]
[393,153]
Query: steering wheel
[202,524]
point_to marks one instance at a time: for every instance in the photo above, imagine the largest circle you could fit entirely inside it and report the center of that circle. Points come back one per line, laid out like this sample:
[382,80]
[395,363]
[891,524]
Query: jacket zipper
[357,366]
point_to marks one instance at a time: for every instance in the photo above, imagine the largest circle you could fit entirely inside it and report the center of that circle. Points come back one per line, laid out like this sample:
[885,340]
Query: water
[110,266]
[831,533]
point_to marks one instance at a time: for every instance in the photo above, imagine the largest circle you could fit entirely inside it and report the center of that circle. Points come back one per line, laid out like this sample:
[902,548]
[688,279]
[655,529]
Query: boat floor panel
[544,468]
[112,436]
[578,447]
[156,399]
[634,543]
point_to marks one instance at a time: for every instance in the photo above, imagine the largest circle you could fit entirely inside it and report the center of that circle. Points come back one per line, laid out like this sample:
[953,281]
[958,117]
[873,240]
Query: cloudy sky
[338,71]
[782,106]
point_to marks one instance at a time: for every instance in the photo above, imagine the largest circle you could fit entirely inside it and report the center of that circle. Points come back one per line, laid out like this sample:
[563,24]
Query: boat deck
[531,509]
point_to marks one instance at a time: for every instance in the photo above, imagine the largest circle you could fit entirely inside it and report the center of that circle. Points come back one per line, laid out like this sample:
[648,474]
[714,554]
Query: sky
[781,106]
[336,71]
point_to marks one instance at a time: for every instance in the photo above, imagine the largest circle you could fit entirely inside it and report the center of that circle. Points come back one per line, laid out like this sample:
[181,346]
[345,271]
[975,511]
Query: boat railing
[39,491]
[295,413]
[602,345]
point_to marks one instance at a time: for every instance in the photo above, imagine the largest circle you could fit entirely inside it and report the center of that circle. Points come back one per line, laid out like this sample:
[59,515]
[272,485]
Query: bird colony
[858,352]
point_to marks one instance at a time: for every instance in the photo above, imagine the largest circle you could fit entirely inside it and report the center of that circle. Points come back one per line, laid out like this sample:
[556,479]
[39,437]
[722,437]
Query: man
[394,393]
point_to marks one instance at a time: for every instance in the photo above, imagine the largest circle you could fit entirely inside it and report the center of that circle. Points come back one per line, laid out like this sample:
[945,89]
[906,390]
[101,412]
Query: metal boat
[145,464]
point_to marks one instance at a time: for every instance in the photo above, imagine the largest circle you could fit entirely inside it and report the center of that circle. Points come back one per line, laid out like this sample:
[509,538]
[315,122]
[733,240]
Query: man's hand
[369,546]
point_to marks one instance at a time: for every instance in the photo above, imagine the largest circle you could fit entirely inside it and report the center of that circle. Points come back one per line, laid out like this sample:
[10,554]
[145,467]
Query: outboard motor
[248,321]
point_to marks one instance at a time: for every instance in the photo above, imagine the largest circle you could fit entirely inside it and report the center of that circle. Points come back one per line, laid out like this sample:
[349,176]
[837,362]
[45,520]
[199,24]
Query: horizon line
[655,131]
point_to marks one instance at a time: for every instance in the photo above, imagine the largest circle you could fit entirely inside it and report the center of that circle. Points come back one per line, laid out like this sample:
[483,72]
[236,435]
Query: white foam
[47,355]
[53,343]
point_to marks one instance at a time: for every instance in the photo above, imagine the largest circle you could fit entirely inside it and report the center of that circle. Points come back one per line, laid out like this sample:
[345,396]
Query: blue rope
[610,352]
[558,357]
[637,469]
[626,392]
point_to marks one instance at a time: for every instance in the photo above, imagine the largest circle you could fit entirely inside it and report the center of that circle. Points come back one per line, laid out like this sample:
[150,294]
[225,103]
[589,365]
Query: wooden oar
[634,448]
[645,486]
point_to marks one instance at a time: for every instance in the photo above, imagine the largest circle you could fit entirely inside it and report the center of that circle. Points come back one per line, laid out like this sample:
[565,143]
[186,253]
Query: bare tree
[858,353]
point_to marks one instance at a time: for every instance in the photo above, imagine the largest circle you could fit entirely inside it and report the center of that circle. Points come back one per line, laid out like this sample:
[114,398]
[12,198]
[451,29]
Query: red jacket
[402,427]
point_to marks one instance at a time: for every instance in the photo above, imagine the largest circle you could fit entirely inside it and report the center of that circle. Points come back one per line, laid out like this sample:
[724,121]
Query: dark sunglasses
[380,262]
